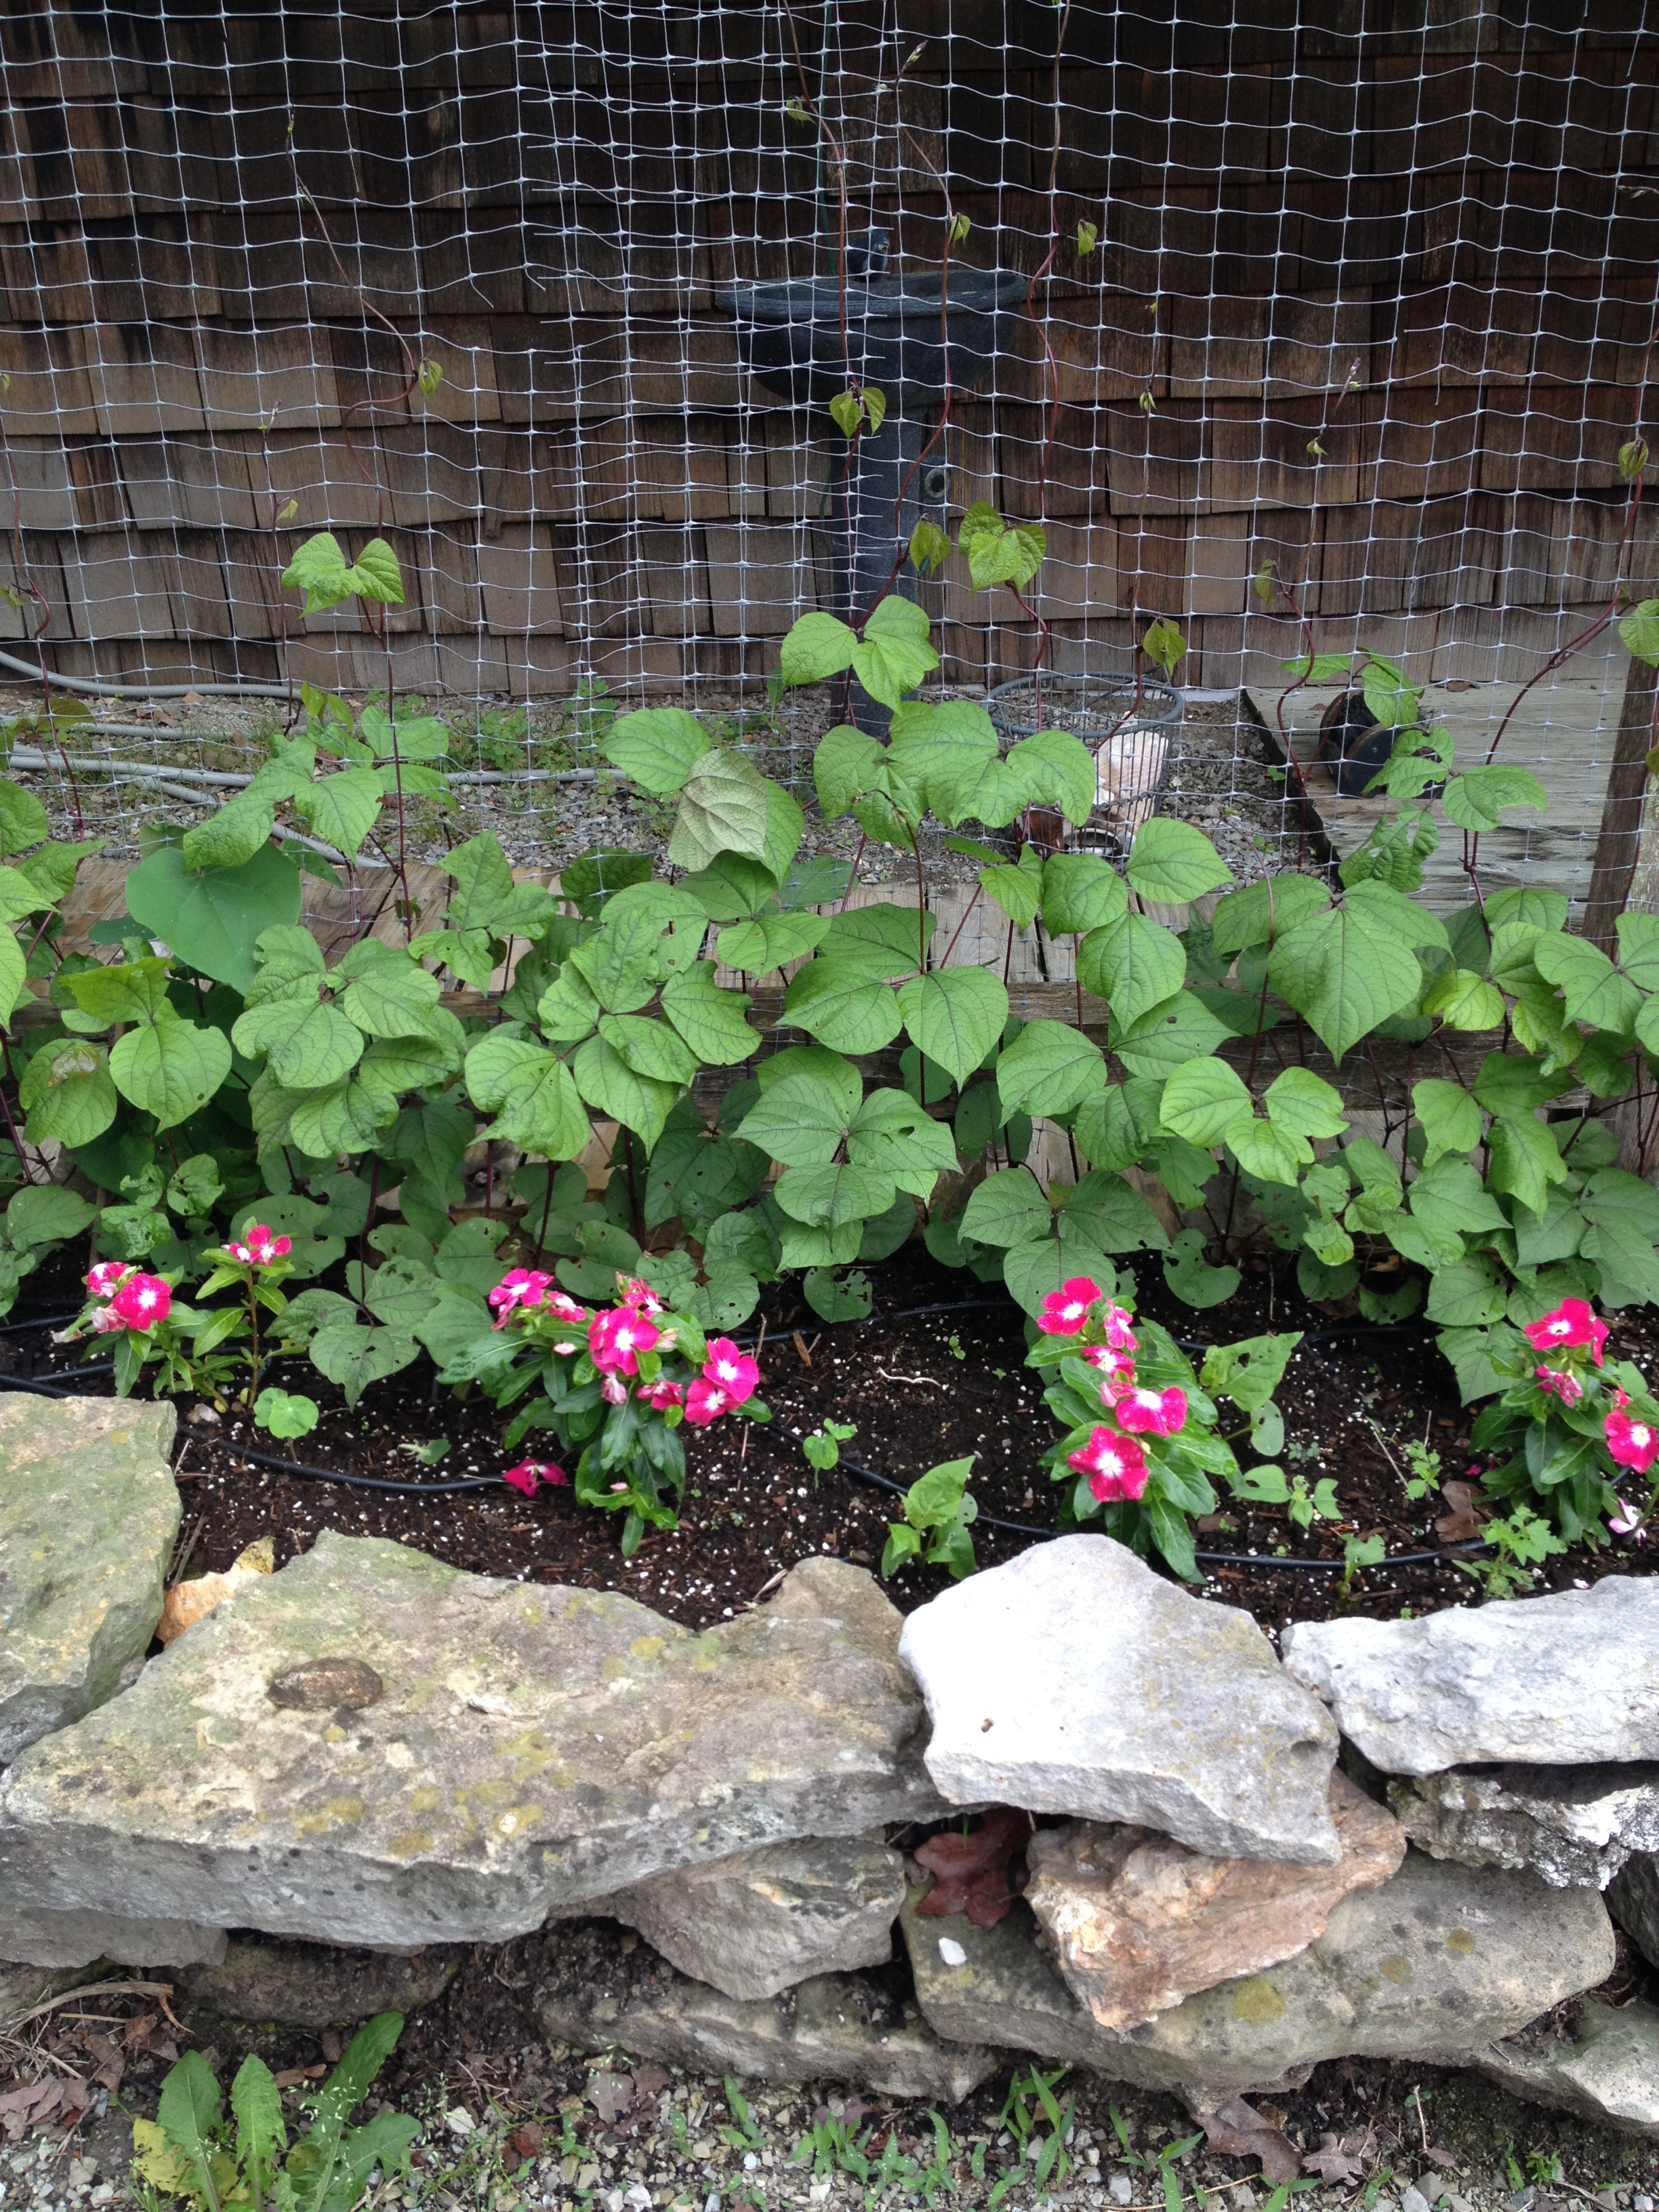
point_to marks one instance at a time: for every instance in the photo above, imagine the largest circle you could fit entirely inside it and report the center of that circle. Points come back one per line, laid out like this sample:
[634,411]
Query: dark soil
[921,1385]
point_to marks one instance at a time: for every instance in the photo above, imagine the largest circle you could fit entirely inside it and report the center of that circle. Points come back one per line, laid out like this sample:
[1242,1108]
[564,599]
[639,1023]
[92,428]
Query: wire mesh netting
[1316,285]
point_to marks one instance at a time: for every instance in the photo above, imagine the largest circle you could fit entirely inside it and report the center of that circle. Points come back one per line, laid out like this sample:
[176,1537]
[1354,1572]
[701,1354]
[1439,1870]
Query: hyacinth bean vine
[205,1068]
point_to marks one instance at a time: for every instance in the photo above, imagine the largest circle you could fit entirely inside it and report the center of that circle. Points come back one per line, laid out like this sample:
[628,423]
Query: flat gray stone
[1434,1966]
[594,1991]
[1634,1901]
[1563,1680]
[89,1514]
[1074,1680]
[1576,1826]
[761,1921]
[532,1747]
[313,1984]
[34,1938]
[1606,2071]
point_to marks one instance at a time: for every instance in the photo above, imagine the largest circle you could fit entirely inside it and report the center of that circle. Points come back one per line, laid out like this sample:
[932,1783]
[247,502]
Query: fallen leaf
[650,2081]
[188,1602]
[1237,2129]
[1332,2163]
[527,2140]
[611,2095]
[971,1872]
[1461,1522]
[291,2076]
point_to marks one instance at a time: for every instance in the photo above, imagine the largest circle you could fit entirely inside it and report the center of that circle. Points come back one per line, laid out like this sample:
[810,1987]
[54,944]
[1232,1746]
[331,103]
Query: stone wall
[1103,1821]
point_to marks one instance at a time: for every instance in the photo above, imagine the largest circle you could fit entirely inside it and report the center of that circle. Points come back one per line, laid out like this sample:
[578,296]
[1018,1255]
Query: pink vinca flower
[1119,1335]
[704,1401]
[1626,1522]
[1153,1413]
[613,1390]
[732,1371]
[567,1308]
[631,1291]
[1117,1373]
[1065,1310]
[661,1395]
[520,1286]
[1116,1466]
[262,1246]
[530,1472]
[614,1340]
[1633,1443]
[1572,1322]
[1556,1382]
[105,1278]
[142,1300]
[106,1322]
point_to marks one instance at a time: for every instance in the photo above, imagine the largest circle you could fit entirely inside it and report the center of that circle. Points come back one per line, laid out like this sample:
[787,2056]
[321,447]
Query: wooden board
[1563,731]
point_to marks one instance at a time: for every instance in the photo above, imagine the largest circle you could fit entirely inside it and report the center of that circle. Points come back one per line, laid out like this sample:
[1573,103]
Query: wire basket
[1129,733]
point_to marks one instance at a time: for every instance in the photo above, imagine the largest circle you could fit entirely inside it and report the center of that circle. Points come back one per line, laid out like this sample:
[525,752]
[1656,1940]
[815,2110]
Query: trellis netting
[1326,321]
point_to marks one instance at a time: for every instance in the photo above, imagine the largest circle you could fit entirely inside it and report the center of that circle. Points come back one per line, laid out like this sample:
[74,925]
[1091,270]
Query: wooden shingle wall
[196,208]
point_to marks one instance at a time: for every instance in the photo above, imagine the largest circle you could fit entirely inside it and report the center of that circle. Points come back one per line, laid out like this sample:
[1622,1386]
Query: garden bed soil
[921,1387]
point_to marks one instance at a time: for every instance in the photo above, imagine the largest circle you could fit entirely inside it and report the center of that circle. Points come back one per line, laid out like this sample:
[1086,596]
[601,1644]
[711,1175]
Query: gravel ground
[1219,778]
[510,2123]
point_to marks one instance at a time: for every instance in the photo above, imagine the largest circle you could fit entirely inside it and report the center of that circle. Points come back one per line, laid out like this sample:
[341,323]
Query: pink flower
[1153,1413]
[105,1278]
[261,1247]
[106,1322]
[240,1252]
[661,1395]
[1572,1322]
[614,1340]
[1556,1382]
[704,1401]
[1065,1310]
[1620,1399]
[614,1390]
[142,1300]
[1116,1466]
[1633,1443]
[565,1307]
[520,1286]
[1119,1335]
[733,1370]
[530,1472]
[1627,1523]
[1117,1371]
[640,1295]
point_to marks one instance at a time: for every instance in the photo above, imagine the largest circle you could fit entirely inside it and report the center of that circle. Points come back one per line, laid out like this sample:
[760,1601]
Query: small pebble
[953,1955]
[1120,2189]
[1412,2199]
[1641,2203]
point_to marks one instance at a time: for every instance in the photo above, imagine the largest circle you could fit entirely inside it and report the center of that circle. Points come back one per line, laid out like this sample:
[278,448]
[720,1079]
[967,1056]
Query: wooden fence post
[1619,847]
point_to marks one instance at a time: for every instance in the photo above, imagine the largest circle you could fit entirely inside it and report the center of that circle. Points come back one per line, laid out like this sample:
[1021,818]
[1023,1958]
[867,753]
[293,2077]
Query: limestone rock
[1634,1901]
[1576,1826]
[1074,1680]
[76,1939]
[1562,1681]
[1139,1922]
[595,1992]
[761,1921]
[1437,1964]
[1607,2072]
[532,1747]
[314,1984]
[88,1513]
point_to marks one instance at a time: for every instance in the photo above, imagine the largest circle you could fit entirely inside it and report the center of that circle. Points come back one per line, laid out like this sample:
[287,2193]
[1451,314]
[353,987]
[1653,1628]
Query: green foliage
[191,2150]
[938,1515]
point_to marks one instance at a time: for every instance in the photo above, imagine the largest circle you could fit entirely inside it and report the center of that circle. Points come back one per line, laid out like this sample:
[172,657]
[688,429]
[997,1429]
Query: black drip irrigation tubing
[301,1471]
